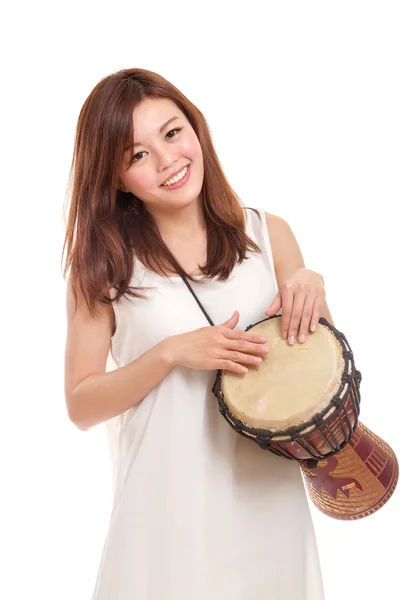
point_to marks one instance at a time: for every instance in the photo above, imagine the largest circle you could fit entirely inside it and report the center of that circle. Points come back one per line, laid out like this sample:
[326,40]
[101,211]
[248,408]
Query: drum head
[291,384]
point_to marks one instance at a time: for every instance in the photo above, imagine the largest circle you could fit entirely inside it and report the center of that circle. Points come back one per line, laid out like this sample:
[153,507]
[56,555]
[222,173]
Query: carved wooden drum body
[302,402]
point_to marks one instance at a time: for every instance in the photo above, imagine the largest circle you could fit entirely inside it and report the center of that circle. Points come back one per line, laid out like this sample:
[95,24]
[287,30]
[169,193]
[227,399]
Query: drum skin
[349,471]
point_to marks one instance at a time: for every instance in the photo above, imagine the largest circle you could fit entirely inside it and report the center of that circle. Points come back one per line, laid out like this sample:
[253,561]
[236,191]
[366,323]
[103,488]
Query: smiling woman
[199,511]
[123,155]
[168,161]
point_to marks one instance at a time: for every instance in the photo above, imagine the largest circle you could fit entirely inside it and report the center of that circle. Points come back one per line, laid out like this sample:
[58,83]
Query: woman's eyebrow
[161,129]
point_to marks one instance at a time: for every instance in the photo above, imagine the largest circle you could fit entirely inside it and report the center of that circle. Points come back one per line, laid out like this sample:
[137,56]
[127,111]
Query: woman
[199,512]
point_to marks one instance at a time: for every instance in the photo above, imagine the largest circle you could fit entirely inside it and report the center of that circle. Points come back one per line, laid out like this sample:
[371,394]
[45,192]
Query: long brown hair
[107,227]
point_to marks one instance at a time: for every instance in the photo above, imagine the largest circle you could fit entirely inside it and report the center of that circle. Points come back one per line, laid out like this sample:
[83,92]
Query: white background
[303,102]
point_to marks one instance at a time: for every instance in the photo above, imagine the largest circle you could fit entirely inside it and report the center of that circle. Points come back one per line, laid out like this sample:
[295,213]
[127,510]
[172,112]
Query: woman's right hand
[218,347]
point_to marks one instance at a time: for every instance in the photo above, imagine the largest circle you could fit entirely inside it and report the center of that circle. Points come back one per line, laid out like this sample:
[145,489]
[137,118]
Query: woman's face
[166,147]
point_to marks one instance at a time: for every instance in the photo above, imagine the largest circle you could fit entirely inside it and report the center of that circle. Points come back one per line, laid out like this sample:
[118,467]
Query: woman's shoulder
[275,233]
[276,226]
[284,245]
[279,230]
[272,221]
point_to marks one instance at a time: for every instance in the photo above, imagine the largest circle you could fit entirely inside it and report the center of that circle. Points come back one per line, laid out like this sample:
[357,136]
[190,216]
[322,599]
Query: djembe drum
[302,403]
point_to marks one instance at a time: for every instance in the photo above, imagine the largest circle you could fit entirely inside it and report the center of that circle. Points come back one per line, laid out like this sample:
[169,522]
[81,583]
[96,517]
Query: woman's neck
[184,225]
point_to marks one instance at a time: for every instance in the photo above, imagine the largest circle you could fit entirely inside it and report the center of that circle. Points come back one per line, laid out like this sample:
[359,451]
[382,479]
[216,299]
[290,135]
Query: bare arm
[92,395]
[286,253]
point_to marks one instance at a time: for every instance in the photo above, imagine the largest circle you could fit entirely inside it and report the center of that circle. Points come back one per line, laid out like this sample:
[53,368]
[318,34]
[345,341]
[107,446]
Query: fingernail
[292,339]
[302,337]
[313,327]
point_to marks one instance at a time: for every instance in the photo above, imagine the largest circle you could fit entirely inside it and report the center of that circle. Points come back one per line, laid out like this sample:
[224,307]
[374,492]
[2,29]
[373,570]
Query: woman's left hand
[301,298]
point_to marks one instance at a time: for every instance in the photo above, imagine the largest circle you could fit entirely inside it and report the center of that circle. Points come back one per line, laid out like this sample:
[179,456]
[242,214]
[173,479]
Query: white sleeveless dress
[200,513]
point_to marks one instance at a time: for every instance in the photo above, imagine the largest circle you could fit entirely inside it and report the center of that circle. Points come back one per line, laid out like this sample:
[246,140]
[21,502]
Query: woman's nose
[165,160]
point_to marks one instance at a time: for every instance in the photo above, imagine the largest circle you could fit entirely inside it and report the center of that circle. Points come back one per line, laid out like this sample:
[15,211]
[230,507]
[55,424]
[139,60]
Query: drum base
[355,482]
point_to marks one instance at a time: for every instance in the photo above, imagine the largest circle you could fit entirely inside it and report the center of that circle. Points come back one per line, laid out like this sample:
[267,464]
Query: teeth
[177,177]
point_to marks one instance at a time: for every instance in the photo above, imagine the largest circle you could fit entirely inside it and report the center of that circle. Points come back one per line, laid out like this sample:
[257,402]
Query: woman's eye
[137,156]
[172,131]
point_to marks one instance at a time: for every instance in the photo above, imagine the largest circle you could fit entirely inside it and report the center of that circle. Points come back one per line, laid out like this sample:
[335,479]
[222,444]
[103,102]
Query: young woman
[199,512]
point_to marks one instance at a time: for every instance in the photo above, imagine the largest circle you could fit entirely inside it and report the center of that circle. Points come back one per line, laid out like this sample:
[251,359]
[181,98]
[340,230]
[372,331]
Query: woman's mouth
[179,180]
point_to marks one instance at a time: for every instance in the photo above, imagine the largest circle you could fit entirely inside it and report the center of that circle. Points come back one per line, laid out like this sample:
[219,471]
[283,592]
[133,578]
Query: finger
[229,365]
[247,347]
[235,334]
[237,357]
[317,310]
[297,310]
[306,318]
[233,321]
[242,358]
[287,301]
[275,306]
